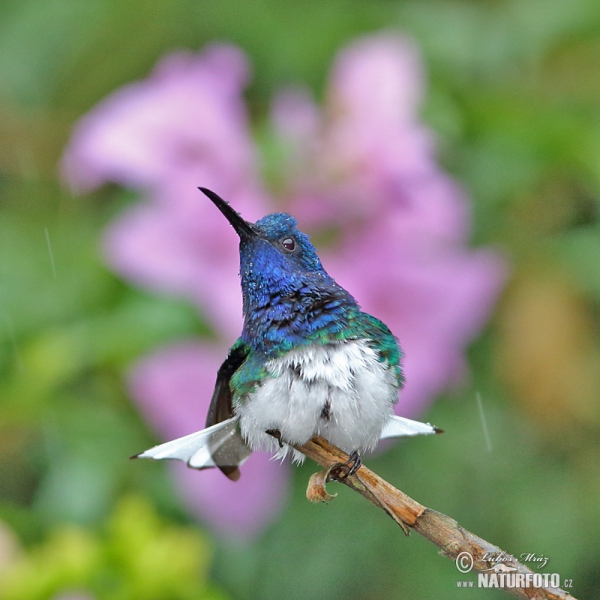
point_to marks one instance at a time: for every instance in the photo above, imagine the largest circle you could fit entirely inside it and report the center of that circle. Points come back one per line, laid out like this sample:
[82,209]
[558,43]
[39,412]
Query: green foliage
[135,557]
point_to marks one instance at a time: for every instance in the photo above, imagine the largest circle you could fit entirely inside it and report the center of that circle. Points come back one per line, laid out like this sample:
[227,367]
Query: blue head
[283,280]
[279,256]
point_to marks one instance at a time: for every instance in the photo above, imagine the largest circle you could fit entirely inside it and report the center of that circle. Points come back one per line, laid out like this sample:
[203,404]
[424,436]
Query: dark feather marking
[326,412]
[296,370]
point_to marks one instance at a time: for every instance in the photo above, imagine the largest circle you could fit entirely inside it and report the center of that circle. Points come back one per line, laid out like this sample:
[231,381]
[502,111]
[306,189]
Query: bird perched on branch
[308,362]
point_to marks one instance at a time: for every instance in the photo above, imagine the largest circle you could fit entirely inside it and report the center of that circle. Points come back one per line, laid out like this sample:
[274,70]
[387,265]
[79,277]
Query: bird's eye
[289,244]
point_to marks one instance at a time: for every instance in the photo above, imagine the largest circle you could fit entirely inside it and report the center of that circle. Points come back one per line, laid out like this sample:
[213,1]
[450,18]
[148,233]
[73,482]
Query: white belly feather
[341,391]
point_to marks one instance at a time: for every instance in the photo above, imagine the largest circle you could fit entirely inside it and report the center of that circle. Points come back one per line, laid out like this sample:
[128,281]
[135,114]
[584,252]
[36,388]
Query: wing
[221,407]
[402,427]
[387,345]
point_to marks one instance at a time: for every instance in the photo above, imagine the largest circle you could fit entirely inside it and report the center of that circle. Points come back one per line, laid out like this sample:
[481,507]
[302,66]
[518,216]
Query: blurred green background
[514,97]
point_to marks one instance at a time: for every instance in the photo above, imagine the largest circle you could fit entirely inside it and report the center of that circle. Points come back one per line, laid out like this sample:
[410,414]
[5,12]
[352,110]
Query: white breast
[341,391]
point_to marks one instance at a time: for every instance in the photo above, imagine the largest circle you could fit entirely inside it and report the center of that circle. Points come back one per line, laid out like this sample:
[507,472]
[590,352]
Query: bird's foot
[276,434]
[341,471]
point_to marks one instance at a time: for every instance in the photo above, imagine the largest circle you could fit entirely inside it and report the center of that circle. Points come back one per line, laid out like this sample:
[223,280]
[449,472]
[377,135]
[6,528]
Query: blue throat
[285,307]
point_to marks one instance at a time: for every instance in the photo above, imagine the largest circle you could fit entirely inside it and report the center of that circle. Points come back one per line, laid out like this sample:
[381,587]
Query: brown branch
[443,531]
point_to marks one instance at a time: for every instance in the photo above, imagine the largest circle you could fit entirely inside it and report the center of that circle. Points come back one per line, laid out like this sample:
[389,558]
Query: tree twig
[443,531]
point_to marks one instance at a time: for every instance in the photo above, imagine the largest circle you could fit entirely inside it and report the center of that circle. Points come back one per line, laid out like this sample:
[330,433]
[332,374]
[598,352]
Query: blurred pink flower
[363,165]
[188,116]
[368,168]
[185,248]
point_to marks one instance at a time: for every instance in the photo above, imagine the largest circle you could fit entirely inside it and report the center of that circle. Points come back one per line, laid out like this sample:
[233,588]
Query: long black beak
[243,228]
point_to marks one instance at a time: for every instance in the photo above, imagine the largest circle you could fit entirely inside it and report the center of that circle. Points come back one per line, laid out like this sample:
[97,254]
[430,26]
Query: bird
[308,362]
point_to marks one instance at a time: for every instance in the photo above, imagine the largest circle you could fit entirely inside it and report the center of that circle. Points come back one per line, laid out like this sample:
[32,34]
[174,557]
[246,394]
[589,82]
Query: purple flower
[187,118]
[364,166]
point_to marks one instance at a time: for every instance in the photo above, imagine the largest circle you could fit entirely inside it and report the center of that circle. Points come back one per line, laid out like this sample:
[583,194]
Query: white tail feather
[402,427]
[197,449]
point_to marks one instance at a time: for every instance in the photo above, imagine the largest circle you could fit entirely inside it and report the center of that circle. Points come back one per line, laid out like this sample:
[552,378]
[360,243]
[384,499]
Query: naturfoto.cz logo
[503,572]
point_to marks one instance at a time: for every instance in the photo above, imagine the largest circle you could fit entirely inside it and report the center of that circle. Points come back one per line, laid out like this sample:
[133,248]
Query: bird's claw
[343,470]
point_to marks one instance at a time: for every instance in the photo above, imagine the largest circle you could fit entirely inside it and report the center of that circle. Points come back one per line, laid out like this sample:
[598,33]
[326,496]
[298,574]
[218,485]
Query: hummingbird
[308,362]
